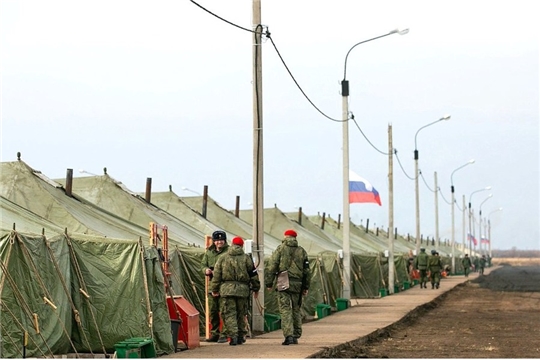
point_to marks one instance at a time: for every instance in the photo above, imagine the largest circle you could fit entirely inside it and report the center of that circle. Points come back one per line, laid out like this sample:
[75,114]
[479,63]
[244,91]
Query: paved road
[362,318]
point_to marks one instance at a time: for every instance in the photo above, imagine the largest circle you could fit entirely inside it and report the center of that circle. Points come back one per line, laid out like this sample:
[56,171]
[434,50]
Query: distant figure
[435,267]
[294,259]
[466,262]
[482,264]
[476,264]
[421,264]
[234,278]
[209,260]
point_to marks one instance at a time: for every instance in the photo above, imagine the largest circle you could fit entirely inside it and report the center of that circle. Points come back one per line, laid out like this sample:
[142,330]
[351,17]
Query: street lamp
[82,171]
[470,216]
[480,218]
[346,209]
[489,229]
[417,175]
[193,191]
[453,224]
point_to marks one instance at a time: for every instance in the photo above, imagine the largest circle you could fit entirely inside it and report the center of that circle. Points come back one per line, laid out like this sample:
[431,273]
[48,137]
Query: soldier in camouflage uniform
[293,258]
[234,278]
[466,262]
[482,264]
[216,250]
[435,267]
[420,263]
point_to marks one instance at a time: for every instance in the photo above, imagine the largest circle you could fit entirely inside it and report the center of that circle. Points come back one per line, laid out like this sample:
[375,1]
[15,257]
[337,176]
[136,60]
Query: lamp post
[82,171]
[489,229]
[193,191]
[480,219]
[346,209]
[417,175]
[470,216]
[453,224]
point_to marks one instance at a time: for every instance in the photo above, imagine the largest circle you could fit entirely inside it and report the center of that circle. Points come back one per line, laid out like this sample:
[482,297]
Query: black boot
[213,338]
[295,341]
[433,286]
[234,341]
[288,340]
[437,285]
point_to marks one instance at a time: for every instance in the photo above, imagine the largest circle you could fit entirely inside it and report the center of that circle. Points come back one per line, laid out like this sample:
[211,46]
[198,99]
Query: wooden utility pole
[258,188]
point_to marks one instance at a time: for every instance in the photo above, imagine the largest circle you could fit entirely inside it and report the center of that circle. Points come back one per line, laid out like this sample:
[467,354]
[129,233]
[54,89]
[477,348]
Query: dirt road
[493,316]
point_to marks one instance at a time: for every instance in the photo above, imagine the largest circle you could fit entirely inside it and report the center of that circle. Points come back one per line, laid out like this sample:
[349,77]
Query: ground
[493,316]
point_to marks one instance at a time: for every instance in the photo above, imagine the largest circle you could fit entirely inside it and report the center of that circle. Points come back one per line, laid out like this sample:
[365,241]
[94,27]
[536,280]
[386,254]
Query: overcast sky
[162,89]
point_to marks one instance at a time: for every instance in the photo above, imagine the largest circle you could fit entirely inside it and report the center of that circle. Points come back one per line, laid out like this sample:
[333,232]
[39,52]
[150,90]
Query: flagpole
[471,214]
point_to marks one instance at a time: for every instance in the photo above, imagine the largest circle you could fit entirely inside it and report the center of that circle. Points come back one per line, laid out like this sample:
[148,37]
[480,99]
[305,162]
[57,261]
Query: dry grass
[532,261]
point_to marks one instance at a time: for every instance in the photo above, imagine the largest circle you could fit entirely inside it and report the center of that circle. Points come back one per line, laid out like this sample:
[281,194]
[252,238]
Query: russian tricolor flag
[361,190]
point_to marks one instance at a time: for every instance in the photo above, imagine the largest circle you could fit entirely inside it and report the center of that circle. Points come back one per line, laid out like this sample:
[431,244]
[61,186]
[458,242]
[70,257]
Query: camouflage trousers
[213,307]
[291,316]
[233,312]
[435,277]
[423,276]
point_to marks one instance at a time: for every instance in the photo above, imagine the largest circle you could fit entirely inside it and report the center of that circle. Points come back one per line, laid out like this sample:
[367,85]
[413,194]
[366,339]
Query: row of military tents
[78,273]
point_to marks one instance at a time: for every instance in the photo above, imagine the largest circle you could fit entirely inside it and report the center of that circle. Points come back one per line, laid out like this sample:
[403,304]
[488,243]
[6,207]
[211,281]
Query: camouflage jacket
[211,256]
[434,263]
[466,262]
[293,258]
[421,261]
[234,274]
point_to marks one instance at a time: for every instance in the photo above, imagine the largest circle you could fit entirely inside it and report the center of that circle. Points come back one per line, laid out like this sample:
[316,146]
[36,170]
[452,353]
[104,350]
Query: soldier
[291,258]
[466,262]
[476,264]
[420,263]
[482,264]
[435,267]
[234,277]
[218,248]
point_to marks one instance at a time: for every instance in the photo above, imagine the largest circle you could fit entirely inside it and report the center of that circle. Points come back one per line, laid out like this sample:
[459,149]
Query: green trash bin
[396,289]
[323,310]
[383,292]
[135,348]
[342,304]
[406,285]
[271,322]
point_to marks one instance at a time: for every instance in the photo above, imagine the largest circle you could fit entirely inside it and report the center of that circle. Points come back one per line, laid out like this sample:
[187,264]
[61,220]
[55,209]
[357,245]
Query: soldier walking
[435,267]
[421,264]
[466,262]
[294,259]
[234,278]
[482,264]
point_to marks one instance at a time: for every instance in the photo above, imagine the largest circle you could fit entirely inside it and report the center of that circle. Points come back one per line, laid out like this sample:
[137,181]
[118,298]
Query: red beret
[291,233]
[238,241]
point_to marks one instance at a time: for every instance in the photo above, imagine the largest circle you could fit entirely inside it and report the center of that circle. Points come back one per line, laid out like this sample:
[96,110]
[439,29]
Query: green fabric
[109,271]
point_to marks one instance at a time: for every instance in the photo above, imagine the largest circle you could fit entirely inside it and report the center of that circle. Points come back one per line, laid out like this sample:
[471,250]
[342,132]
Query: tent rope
[325,296]
[8,256]
[44,289]
[83,289]
[11,340]
[25,308]
[67,292]
[146,291]
[181,257]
